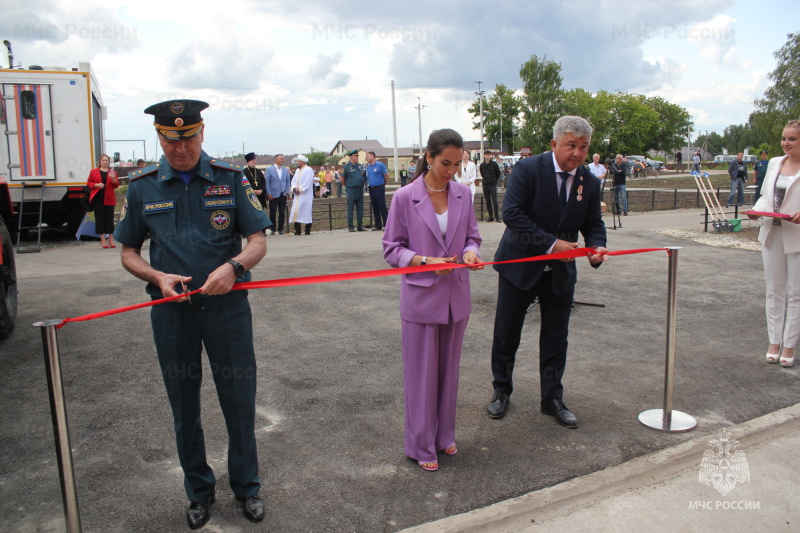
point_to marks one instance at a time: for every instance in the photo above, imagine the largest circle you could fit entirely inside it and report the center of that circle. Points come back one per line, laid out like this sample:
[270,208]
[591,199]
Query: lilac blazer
[412,230]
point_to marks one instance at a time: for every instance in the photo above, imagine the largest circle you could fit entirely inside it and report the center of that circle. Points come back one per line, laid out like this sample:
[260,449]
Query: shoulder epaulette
[139,172]
[224,164]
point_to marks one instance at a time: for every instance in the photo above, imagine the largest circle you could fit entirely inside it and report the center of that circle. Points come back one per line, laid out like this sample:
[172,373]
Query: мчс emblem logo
[726,466]
[220,219]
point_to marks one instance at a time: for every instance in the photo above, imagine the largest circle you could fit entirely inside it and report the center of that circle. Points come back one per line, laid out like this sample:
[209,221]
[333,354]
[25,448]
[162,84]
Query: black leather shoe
[490,219]
[252,508]
[361,229]
[557,409]
[197,514]
[498,406]
[352,230]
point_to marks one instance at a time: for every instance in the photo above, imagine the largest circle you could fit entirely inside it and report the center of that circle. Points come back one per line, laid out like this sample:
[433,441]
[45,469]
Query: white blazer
[468,176]
[790,206]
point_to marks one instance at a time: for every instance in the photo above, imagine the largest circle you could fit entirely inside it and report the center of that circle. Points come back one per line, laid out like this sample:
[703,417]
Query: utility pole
[501,124]
[394,131]
[419,109]
[480,95]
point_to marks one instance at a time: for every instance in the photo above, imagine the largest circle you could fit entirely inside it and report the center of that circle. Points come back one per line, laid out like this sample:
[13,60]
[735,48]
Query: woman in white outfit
[780,247]
[467,173]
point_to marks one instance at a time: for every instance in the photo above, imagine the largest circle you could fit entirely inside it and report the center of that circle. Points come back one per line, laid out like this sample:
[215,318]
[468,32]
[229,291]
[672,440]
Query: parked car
[653,163]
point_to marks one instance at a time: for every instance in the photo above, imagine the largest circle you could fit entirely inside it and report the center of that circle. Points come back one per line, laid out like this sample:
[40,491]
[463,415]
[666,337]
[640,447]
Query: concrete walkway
[662,491]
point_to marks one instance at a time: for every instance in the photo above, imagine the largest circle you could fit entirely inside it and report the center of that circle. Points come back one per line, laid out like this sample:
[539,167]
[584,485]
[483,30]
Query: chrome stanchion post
[667,419]
[58,410]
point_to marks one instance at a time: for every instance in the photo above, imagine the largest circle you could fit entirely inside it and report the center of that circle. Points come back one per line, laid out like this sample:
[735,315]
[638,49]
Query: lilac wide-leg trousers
[431,358]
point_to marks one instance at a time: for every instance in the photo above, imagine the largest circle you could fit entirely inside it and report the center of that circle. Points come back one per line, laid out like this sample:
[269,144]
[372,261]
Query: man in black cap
[353,179]
[196,210]
[256,179]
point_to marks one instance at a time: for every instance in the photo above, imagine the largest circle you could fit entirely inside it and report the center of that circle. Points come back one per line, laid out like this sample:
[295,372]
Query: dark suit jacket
[530,212]
[733,169]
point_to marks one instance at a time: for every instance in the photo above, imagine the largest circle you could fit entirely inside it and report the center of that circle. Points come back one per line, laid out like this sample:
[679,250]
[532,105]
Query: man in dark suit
[551,198]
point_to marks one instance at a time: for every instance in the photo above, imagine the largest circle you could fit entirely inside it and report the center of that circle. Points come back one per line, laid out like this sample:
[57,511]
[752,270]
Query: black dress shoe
[557,409]
[498,406]
[197,514]
[252,508]
[361,229]
[490,219]
[352,230]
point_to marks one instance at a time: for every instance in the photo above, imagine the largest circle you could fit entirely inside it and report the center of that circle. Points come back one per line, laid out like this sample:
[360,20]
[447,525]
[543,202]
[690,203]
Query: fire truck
[8,271]
[52,123]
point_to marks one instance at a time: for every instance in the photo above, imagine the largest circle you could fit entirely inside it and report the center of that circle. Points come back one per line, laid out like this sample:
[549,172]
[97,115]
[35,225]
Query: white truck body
[52,121]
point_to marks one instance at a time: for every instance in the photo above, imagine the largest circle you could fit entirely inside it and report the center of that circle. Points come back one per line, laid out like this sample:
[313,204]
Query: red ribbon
[767,214]
[327,278]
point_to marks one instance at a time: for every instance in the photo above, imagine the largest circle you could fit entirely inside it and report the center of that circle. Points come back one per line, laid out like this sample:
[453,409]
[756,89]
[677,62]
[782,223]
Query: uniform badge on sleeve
[124,210]
[251,194]
[220,219]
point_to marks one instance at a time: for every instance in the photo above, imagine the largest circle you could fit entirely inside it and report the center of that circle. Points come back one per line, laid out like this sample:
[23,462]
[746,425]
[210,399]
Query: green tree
[633,124]
[713,142]
[316,158]
[542,102]
[737,137]
[502,108]
[597,109]
[673,122]
[781,101]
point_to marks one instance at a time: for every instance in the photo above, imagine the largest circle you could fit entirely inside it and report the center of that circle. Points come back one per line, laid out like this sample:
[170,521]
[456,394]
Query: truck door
[29,132]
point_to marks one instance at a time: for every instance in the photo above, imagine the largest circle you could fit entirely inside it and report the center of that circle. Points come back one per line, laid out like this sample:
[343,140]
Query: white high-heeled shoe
[772,358]
[787,362]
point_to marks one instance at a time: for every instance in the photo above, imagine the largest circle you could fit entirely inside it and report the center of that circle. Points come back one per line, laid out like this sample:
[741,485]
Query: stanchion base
[654,419]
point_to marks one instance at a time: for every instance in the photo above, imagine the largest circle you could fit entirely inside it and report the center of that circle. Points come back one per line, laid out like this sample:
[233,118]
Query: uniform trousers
[224,328]
[355,199]
[431,359]
[512,303]
[782,273]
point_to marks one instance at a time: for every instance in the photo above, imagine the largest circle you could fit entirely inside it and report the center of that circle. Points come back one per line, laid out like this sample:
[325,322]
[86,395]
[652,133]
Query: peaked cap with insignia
[177,119]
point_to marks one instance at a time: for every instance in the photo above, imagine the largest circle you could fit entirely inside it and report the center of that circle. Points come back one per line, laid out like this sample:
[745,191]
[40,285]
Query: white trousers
[782,272]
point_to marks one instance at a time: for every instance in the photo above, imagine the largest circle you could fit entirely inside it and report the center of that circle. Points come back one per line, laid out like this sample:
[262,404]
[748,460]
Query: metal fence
[329,214]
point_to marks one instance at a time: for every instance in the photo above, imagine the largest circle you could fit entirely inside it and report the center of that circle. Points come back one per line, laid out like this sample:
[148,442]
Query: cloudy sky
[285,77]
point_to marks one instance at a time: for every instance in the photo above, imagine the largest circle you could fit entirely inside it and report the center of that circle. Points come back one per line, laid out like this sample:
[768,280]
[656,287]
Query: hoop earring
[429,167]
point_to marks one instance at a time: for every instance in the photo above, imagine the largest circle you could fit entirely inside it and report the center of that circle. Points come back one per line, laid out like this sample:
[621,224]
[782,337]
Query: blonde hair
[793,124]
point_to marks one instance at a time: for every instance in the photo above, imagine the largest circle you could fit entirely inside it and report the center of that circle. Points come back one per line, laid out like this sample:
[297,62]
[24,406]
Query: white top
[598,170]
[442,220]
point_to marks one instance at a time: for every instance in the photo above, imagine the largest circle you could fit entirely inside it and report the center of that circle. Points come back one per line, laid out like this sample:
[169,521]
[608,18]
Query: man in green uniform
[196,210]
[353,179]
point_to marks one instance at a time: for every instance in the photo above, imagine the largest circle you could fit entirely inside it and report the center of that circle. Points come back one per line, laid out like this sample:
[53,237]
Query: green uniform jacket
[193,228]
[352,175]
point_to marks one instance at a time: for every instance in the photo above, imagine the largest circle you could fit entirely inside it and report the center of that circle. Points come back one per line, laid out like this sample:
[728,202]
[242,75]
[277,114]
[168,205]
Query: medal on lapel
[580,192]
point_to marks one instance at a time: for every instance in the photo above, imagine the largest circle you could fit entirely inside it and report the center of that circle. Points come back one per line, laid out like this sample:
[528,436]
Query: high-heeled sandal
[787,362]
[772,358]
[430,466]
[450,450]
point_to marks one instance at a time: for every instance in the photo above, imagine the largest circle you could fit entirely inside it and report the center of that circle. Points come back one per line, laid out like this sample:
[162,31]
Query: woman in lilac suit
[432,221]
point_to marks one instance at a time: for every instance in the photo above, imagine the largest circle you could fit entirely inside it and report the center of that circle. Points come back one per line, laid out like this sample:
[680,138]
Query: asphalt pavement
[330,405]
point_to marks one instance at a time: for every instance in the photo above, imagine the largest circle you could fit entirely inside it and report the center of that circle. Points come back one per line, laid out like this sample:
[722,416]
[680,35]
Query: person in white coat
[780,247]
[303,189]
[467,173]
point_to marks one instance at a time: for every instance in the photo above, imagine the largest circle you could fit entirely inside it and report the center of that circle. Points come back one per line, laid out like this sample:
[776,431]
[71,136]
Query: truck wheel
[8,284]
